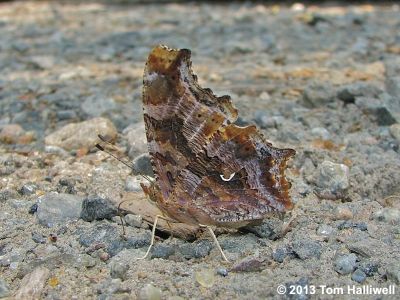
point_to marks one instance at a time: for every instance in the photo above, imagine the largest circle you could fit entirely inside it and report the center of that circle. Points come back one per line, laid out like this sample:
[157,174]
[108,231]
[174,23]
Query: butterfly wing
[208,170]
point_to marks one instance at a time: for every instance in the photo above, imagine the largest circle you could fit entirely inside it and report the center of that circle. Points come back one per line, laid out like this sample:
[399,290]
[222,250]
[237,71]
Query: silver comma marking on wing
[227,179]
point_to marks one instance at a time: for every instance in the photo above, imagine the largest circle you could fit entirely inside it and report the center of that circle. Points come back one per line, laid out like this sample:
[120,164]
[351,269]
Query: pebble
[136,139]
[205,277]
[388,215]
[32,284]
[248,264]
[98,105]
[150,292]
[132,184]
[393,85]
[15,134]
[162,251]
[393,272]
[222,272]
[75,136]
[306,248]
[317,94]
[4,289]
[325,231]
[342,212]
[378,108]
[279,255]
[118,270]
[134,220]
[345,264]
[6,194]
[56,209]
[395,131]
[349,92]
[321,133]
[28,189]
[369,268]
[38,238]
[97,208]
[142,165]
[197,249]
[109,287]
[359,276]
[332,176]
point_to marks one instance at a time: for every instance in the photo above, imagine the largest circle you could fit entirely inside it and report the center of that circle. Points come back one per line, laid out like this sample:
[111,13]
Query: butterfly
[208,171]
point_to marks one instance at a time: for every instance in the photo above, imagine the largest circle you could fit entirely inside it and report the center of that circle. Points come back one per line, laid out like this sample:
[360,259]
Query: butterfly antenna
[122,220]
[129,165]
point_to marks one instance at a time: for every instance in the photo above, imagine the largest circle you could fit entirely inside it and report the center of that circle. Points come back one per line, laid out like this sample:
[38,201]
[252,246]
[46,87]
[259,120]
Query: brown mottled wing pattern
[208,170]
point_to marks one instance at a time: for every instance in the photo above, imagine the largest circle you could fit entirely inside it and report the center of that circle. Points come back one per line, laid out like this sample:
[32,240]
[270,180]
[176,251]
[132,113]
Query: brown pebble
[343,213]
[104,256]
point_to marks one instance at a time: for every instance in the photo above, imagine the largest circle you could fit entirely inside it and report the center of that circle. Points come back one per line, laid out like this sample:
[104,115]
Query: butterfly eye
[227,179]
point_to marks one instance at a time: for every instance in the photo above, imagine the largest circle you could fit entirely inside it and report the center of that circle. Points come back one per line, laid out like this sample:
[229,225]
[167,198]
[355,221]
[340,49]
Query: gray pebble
[325,230]
[393,272]
[162,251]
[359,276]
[197,249]
[345,264]
[388,215]
[320,132]
[97,105]
[317,94]
[28,189]
[142,165]
[4,289]
[369,268]
[133,220]
[378,109]
[348,93]
[97,208]
[279,255]
[305,248]
[137,141]
[38,238]
[58,208]
[332,176]
[222,272]
[132,184]
[6,194]
[118,270]
[395,131]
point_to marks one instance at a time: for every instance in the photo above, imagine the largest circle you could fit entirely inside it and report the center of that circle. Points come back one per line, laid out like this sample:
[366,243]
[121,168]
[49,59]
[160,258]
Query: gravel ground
[323,80]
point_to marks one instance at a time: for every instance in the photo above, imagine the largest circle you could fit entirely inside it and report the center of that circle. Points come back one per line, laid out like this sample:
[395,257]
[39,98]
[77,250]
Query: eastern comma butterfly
[208,171]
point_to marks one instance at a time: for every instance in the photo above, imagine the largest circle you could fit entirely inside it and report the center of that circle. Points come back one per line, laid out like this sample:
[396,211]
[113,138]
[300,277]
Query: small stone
[118,270]
[11,134]
[252,264]
[317,94]
[33,209]
[150,292]
[42,61]
[305,248]
[97,208]
[97,105]
[134,220]
[343,213]
[333,177]
[279,255]
[32,284]
[28,189]
[132,184]
[162,251]
[348,93]
[325,230]
[393,273]
[104,256]
[369,268]
[388,215]
[6,194]
[359,276]
[321,133]
[75,136]
[38,238]
[205,277]
[395,131]
[56,208]
[378,109]
[197,249]
[345,264]
[264,120]
[222,272]
[142,165]
[137,141]
[4,289]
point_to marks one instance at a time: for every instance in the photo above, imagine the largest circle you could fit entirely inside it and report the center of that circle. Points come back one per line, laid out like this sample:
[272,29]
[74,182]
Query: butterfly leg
[215,240]
[153,233]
